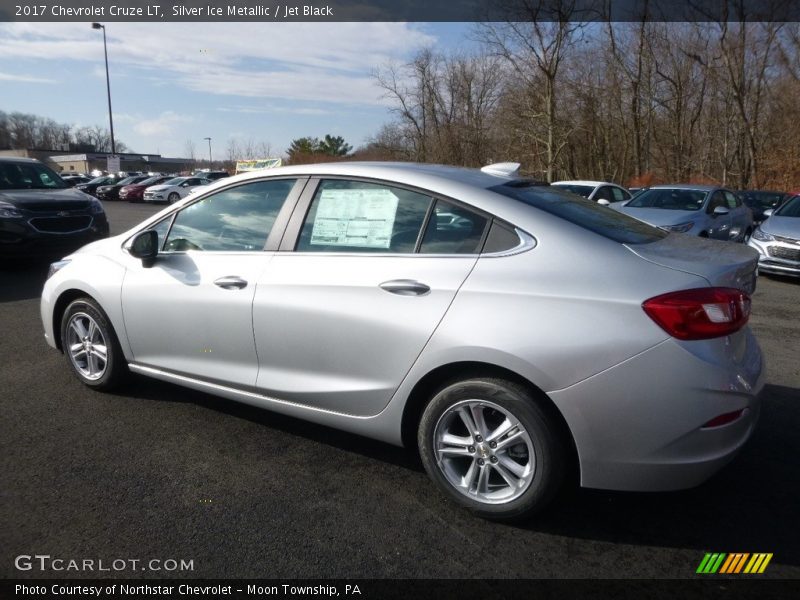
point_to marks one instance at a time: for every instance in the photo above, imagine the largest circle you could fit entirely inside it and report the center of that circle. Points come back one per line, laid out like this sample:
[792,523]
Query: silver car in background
[778,239]
[602,192]
[701,210]
[516,336]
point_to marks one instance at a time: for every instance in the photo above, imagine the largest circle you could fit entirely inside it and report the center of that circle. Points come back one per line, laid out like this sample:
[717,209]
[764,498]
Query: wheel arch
[443,375]
[64,300]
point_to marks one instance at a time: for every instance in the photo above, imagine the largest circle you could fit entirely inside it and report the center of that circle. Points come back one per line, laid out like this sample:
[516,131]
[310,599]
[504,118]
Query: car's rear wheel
[91,346]
[173,197]
[491,447]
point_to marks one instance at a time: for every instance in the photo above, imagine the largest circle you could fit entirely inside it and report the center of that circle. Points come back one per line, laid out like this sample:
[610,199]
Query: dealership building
[68,162]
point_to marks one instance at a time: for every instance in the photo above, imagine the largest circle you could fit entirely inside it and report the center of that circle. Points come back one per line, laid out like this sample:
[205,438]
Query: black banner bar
[399,10]
[709,588]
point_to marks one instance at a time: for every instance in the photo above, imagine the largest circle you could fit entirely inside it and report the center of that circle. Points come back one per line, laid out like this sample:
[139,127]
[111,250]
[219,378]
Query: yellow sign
[245,166]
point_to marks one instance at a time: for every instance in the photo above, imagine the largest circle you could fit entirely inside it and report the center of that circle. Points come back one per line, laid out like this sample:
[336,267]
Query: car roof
[18,159]
[686,186]
[418,174]
[583,182]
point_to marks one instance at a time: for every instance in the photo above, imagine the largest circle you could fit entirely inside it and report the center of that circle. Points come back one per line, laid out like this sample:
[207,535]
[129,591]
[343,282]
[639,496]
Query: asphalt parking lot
[161,472]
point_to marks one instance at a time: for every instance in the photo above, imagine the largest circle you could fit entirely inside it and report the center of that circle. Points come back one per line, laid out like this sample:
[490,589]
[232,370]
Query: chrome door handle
[231,282]
[405,287]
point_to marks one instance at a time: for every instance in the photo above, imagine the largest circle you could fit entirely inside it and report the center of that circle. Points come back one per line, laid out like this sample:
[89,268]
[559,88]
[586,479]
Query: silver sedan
[516,336]
[778,240]
[701,210]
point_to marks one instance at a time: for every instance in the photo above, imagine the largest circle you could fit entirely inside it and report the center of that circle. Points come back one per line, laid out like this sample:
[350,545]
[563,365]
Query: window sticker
[361,218]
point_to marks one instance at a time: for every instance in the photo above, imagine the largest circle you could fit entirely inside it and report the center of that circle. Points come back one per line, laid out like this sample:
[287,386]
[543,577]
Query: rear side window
[587,214]
[357,216]
[500,239]
[453,230]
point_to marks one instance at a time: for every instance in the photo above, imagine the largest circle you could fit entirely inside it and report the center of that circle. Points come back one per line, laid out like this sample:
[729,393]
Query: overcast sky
[171,82]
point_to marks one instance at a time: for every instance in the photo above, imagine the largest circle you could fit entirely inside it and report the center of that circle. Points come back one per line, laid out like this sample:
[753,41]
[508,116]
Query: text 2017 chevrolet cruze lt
[511,333]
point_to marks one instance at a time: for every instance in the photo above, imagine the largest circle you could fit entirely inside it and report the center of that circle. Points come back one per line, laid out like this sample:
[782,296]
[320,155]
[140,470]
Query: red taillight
[700,314]
[724,419]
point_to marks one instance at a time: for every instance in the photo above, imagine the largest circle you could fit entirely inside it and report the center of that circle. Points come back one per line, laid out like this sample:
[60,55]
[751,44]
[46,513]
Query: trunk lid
[722,264]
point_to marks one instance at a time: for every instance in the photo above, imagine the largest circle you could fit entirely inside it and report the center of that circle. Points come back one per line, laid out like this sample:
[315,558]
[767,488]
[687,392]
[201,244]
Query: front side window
[604,193]
[356,216]
[238,219]
[718,199]
[161,228]
[620,194]
[733,201]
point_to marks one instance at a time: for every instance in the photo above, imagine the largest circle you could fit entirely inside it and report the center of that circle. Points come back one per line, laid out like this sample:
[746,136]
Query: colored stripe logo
[734,564]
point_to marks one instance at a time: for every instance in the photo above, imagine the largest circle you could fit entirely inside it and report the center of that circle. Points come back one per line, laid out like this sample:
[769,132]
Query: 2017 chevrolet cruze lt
[512,333]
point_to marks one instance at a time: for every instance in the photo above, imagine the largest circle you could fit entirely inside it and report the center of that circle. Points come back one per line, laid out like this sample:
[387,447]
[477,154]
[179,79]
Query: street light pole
[108,86]
[209,151]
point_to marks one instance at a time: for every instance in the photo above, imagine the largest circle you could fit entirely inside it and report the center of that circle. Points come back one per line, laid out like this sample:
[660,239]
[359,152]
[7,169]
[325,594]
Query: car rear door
[366,273]
[190,313]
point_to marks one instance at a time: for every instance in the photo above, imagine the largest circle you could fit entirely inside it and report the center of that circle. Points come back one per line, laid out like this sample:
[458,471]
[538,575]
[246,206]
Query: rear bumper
[639,426]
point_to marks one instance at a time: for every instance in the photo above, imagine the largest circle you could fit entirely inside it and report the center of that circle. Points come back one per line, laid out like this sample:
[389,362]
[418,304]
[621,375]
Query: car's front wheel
[91,346]
[493,448]
[173,197]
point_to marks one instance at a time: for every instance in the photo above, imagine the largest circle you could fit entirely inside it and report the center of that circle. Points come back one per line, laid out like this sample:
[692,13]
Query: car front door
[190,313]
[365,275]
[719,225]
[741,217]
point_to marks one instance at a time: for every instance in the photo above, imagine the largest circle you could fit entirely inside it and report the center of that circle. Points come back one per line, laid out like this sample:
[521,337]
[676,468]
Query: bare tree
[535,41]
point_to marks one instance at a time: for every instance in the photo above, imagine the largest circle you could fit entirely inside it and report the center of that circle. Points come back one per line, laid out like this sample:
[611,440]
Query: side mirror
[603,202]
[145,247]
[721,210]
[768,212]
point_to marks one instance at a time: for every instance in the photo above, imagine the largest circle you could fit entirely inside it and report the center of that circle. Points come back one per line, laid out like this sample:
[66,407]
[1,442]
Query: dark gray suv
[40,215]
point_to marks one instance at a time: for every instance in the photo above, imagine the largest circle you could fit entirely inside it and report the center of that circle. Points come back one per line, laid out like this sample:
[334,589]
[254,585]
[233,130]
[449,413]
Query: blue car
[702,210]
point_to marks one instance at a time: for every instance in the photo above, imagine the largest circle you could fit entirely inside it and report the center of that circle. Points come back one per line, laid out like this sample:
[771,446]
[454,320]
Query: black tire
[549,449]
[115,370]
[747,235]
[703,234]
[173,198]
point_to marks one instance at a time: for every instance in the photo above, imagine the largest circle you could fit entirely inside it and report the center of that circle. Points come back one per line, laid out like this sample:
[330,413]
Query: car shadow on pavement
[750,506]
[153,389]
[22,280]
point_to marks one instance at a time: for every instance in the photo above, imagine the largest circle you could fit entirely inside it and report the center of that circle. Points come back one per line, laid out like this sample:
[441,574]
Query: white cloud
[24,78]
[290,61]
[272,109]
[159,126]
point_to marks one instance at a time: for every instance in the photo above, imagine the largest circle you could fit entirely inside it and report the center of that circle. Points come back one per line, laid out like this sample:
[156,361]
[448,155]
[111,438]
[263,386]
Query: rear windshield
[669,199]
[585,213]
[581,190]
[28,176]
